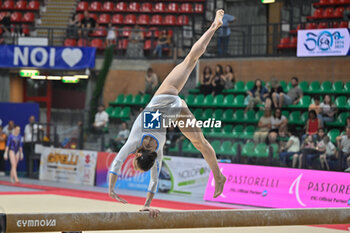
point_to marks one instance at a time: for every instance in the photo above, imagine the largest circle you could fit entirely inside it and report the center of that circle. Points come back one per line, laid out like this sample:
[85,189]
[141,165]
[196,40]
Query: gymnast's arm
[152,188]
[128,148]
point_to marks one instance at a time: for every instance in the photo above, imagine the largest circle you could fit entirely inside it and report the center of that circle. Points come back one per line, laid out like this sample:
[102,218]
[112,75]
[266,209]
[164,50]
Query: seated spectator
[291,149]
[111,36]
[205,81]
[319,150]
[278,125]
[329,154]
[86,25]
[264,125]
[172,136]
[257,95]
[292,97]
[312,124]
[6,27]
[135,44]
[344,147]
[274,87]
[151,81]
[162,43]
[218,82]
[328,109]
[122,136]
[9,128]
[73,25]
[229,77]
[307,147]
[316,106]
[101,119]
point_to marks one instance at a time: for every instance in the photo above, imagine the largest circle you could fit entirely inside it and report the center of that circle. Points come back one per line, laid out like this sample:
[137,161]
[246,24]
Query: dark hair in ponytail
[146,160]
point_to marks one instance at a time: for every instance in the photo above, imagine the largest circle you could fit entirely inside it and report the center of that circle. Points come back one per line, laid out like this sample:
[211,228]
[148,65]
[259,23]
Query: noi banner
[72,58]
[178,174]
[68,166]
[281,187]
[323,42]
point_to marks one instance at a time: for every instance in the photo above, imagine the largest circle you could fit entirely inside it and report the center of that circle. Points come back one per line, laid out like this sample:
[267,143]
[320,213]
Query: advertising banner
[129,177]
[323,42]
[68,166]
[178,174]
[72,58]
[186,175]
[281,187]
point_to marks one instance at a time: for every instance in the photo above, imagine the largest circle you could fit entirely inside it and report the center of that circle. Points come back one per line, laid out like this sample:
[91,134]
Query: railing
[244,41]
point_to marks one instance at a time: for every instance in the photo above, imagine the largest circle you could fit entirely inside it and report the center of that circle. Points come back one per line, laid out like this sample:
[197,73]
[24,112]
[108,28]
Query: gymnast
[147,145]
[15,149]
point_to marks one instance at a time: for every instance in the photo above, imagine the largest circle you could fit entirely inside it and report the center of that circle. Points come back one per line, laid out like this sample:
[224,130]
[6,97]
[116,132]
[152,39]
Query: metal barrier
[252,40]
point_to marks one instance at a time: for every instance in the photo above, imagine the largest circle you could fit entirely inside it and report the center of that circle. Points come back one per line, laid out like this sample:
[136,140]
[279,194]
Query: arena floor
[33,196]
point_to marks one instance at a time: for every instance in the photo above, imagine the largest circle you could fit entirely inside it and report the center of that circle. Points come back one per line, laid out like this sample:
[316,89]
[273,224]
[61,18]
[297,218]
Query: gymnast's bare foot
[218,19]
[219,186]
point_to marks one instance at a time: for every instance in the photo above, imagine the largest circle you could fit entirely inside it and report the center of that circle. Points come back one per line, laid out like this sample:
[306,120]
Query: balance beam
[171,219]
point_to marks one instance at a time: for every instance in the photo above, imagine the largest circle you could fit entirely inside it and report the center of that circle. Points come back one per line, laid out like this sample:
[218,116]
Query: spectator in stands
[135,44]
[316,106]
[101,119]
[73,25]
[224,33]
[264,125]
[319,150]
[274,87]
[344,147]
[312,124]
[6,27]
[122,136]
[278,125]
[205,81]
[31,131]
[218,82]
[256,95]
[3,138]
[229,77]
[328,109]
[162,43]
[111,36]
[308,147]
[151,82]
[86,25]
[172,136]
[9,127]
[291,149]
[329,154]
[293,96]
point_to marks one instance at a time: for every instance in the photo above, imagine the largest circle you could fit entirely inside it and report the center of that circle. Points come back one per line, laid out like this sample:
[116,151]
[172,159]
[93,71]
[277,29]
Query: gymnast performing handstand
[148,145]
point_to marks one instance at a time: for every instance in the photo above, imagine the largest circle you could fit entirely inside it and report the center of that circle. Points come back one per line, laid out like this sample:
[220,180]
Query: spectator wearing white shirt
[31,131]
[292,148]
[101,119]
[328,109]
[344,146]
[278,125]
[121,138]
[329,153]
[9,127]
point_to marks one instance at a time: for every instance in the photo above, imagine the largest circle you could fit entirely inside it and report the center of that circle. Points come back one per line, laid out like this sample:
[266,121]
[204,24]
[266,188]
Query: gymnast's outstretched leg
[177,78]
[174,83]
